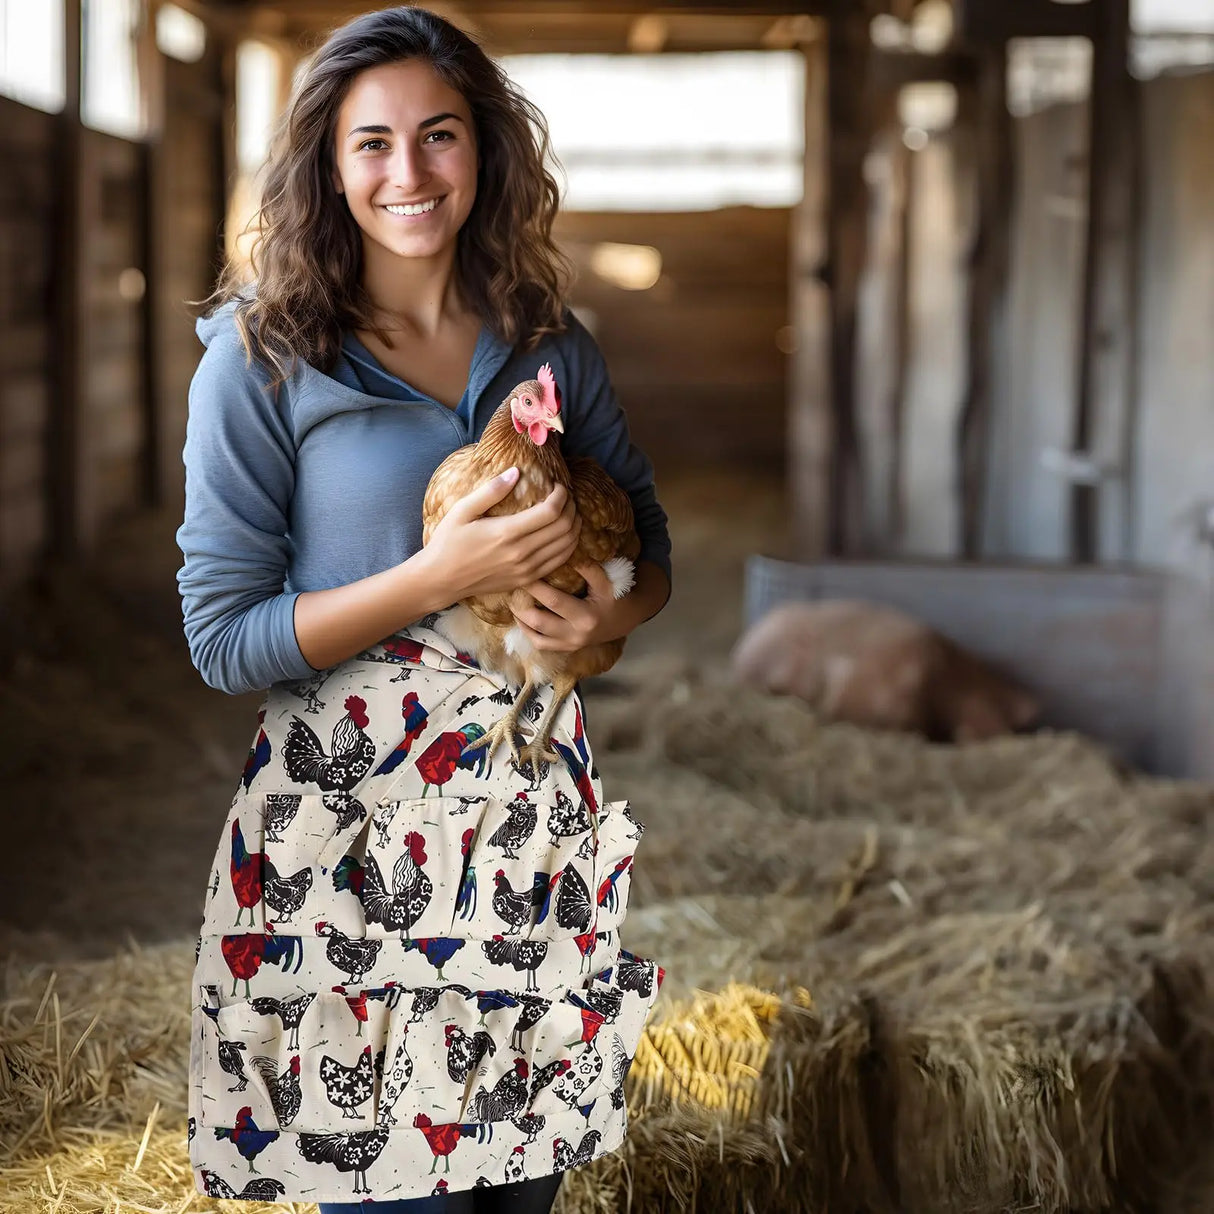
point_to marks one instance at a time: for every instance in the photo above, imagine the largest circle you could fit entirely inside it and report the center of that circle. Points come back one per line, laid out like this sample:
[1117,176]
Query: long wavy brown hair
[307,253]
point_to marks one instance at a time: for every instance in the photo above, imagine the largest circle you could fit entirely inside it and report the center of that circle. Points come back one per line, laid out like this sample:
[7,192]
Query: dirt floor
[121,762]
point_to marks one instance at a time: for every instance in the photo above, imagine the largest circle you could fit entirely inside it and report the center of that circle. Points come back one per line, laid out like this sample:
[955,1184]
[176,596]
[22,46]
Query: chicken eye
[527,401]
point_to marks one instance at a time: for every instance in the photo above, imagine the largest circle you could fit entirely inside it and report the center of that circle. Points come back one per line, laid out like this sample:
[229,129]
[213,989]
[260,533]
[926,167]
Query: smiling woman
[405,284]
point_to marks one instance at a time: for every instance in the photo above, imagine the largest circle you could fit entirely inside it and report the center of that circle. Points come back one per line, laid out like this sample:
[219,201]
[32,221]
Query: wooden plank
[993,22]
[1104,415]
[1087,643]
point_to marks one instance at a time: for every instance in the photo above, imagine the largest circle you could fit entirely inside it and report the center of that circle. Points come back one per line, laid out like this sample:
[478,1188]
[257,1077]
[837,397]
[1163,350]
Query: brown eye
[527,401]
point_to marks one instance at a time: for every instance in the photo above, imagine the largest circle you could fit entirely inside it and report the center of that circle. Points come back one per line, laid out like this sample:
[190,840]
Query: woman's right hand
[472,554]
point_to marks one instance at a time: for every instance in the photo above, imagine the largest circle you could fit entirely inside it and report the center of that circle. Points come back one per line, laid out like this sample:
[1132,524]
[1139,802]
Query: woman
[366,1022]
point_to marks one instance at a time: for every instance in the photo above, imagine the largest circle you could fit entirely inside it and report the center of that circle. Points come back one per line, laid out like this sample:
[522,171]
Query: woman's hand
[561,623]
[471,554]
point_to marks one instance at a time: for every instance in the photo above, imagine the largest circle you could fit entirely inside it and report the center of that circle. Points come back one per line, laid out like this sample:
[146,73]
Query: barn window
[671,132]
[31,52]
[110,98]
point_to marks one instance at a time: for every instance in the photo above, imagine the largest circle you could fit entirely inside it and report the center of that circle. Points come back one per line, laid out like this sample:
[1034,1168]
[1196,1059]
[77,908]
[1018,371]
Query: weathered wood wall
[694,359]
[27,213]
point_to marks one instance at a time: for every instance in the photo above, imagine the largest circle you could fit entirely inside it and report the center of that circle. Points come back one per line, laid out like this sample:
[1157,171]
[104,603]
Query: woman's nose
[409,168]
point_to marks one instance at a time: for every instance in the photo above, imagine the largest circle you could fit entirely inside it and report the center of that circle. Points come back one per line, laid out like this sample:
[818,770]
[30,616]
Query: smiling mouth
[422,208]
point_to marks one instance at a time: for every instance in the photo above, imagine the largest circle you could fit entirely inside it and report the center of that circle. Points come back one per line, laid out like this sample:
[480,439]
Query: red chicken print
[400,908]
[443,1139]
[577,760]
[607,898]
[246,1137]
[244,955]
[352,749]
[416,718]
[357,1004]
[445,755]
[246,869]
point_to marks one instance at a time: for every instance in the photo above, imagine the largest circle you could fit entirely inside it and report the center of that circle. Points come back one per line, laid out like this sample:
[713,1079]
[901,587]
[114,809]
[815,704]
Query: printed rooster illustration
[518,827]
[284,1090]
[246,869]
[514,906]
[566,820]
[246,1137]
[515,1166]
[446,755]
[352,751]
[607,897]
[526,956]
[280,811]
[443,1139]
[354,956]
[260,1188]
[416,719]
[259,752]
[347,1087]
[507,1099]
[534,1010]
[354,1151]
[400,908]
[546,1075]
[465,901]
[464,1052]
[245,955]
[519,434]
[284,895]
[565,1157]
[531,1124]
[438,950]
[289,1012]
[574,911]
[577,760]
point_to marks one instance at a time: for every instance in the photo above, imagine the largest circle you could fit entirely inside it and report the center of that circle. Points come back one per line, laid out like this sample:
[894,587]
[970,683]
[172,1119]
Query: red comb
[548,384]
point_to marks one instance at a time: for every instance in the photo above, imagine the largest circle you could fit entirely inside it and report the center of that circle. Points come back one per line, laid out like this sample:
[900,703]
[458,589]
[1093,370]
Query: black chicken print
[352,750]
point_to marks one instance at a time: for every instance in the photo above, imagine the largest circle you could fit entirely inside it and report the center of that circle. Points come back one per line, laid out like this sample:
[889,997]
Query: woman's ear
[337,182]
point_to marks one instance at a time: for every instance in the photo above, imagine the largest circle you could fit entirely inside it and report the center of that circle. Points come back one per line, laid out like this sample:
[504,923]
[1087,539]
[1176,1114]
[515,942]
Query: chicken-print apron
[408,978]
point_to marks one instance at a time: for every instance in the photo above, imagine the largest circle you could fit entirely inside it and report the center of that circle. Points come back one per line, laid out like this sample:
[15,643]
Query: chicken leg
[504,729]
[539,749]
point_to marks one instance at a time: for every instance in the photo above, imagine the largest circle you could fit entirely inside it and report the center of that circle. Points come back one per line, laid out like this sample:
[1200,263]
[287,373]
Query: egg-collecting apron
[408,978]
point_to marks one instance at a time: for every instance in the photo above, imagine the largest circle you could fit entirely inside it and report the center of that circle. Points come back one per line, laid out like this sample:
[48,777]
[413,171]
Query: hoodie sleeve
[601,432]
[239,476]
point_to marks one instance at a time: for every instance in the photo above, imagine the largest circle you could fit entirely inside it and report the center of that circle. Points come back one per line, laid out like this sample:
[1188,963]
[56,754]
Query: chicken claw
[504,729]
[538,750]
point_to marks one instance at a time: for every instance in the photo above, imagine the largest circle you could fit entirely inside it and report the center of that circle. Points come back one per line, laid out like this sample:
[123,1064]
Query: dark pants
[526,1197]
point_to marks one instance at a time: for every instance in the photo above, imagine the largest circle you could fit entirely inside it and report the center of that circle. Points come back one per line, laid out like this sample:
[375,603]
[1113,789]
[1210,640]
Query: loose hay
[1009,950]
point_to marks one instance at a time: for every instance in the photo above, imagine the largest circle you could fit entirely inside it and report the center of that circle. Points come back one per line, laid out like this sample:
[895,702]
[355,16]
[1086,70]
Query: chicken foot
[539,749]
[504,729]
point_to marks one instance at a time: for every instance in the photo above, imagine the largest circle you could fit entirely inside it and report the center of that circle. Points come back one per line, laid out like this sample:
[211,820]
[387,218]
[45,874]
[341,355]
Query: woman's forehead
[398,95]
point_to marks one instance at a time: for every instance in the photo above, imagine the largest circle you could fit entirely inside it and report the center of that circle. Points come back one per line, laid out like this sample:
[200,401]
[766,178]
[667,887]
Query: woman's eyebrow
[379,128]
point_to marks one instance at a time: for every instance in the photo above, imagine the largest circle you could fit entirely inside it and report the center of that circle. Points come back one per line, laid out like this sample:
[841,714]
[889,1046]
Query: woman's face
[405,158]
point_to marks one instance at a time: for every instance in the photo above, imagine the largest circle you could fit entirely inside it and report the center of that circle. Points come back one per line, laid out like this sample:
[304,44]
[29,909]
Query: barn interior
[910,302]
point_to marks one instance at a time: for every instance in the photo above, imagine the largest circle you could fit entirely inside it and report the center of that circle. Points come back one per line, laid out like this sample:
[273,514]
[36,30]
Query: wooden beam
[65,446]
[986,108]
[1103,424]
[892,69]
[991,22]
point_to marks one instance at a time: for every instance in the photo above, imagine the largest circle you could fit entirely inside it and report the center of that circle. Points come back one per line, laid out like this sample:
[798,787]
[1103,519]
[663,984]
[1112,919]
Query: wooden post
[810,422]
[989,268]
[1104,414]
[65,445]
[850,125]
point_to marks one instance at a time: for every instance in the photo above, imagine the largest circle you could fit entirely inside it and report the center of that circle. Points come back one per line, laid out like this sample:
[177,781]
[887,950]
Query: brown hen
[519,434]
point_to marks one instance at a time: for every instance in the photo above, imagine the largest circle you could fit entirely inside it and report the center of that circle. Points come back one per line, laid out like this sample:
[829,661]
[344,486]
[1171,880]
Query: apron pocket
[570,1058]
[304,1062]
[618,836]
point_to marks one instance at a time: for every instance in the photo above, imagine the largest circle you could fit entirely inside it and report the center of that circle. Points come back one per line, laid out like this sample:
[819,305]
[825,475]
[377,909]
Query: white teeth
[420,209]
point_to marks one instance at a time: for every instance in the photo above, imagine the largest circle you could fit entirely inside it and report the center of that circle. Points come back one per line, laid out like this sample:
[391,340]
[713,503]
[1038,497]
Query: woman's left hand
[561,623]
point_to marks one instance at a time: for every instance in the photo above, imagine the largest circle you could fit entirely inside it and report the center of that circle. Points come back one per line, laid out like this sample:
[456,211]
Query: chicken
[289,1011]
[354,956]
[515,1166]
[548,1074]
[353,751]
[531,1124]
[513,907]
[518,827]
[259,752]
[464,1052]
[565,1157]
[232,1061]
[442,1139]
[438,950]
[260,1188]
[519,434]
[280,811]
[353,1151]
[573,909]
[246,1137]
[284,1090]
[526,956]
[396,1080]
[400,908]
[565,820]
[284,895]
[534,1008]
[246,872]
[874,666]
[416,718]
[244,955]
[347,1087]
[507,1099]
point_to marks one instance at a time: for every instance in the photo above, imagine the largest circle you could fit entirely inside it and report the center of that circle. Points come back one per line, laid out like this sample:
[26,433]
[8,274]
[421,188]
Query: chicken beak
[554,423]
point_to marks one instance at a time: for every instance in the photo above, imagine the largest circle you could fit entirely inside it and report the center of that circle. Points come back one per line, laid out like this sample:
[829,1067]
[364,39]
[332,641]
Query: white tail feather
[621,573]
[516,643]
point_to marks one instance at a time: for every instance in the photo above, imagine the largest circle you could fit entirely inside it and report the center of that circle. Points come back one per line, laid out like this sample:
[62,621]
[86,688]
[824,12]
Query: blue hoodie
[321,483]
